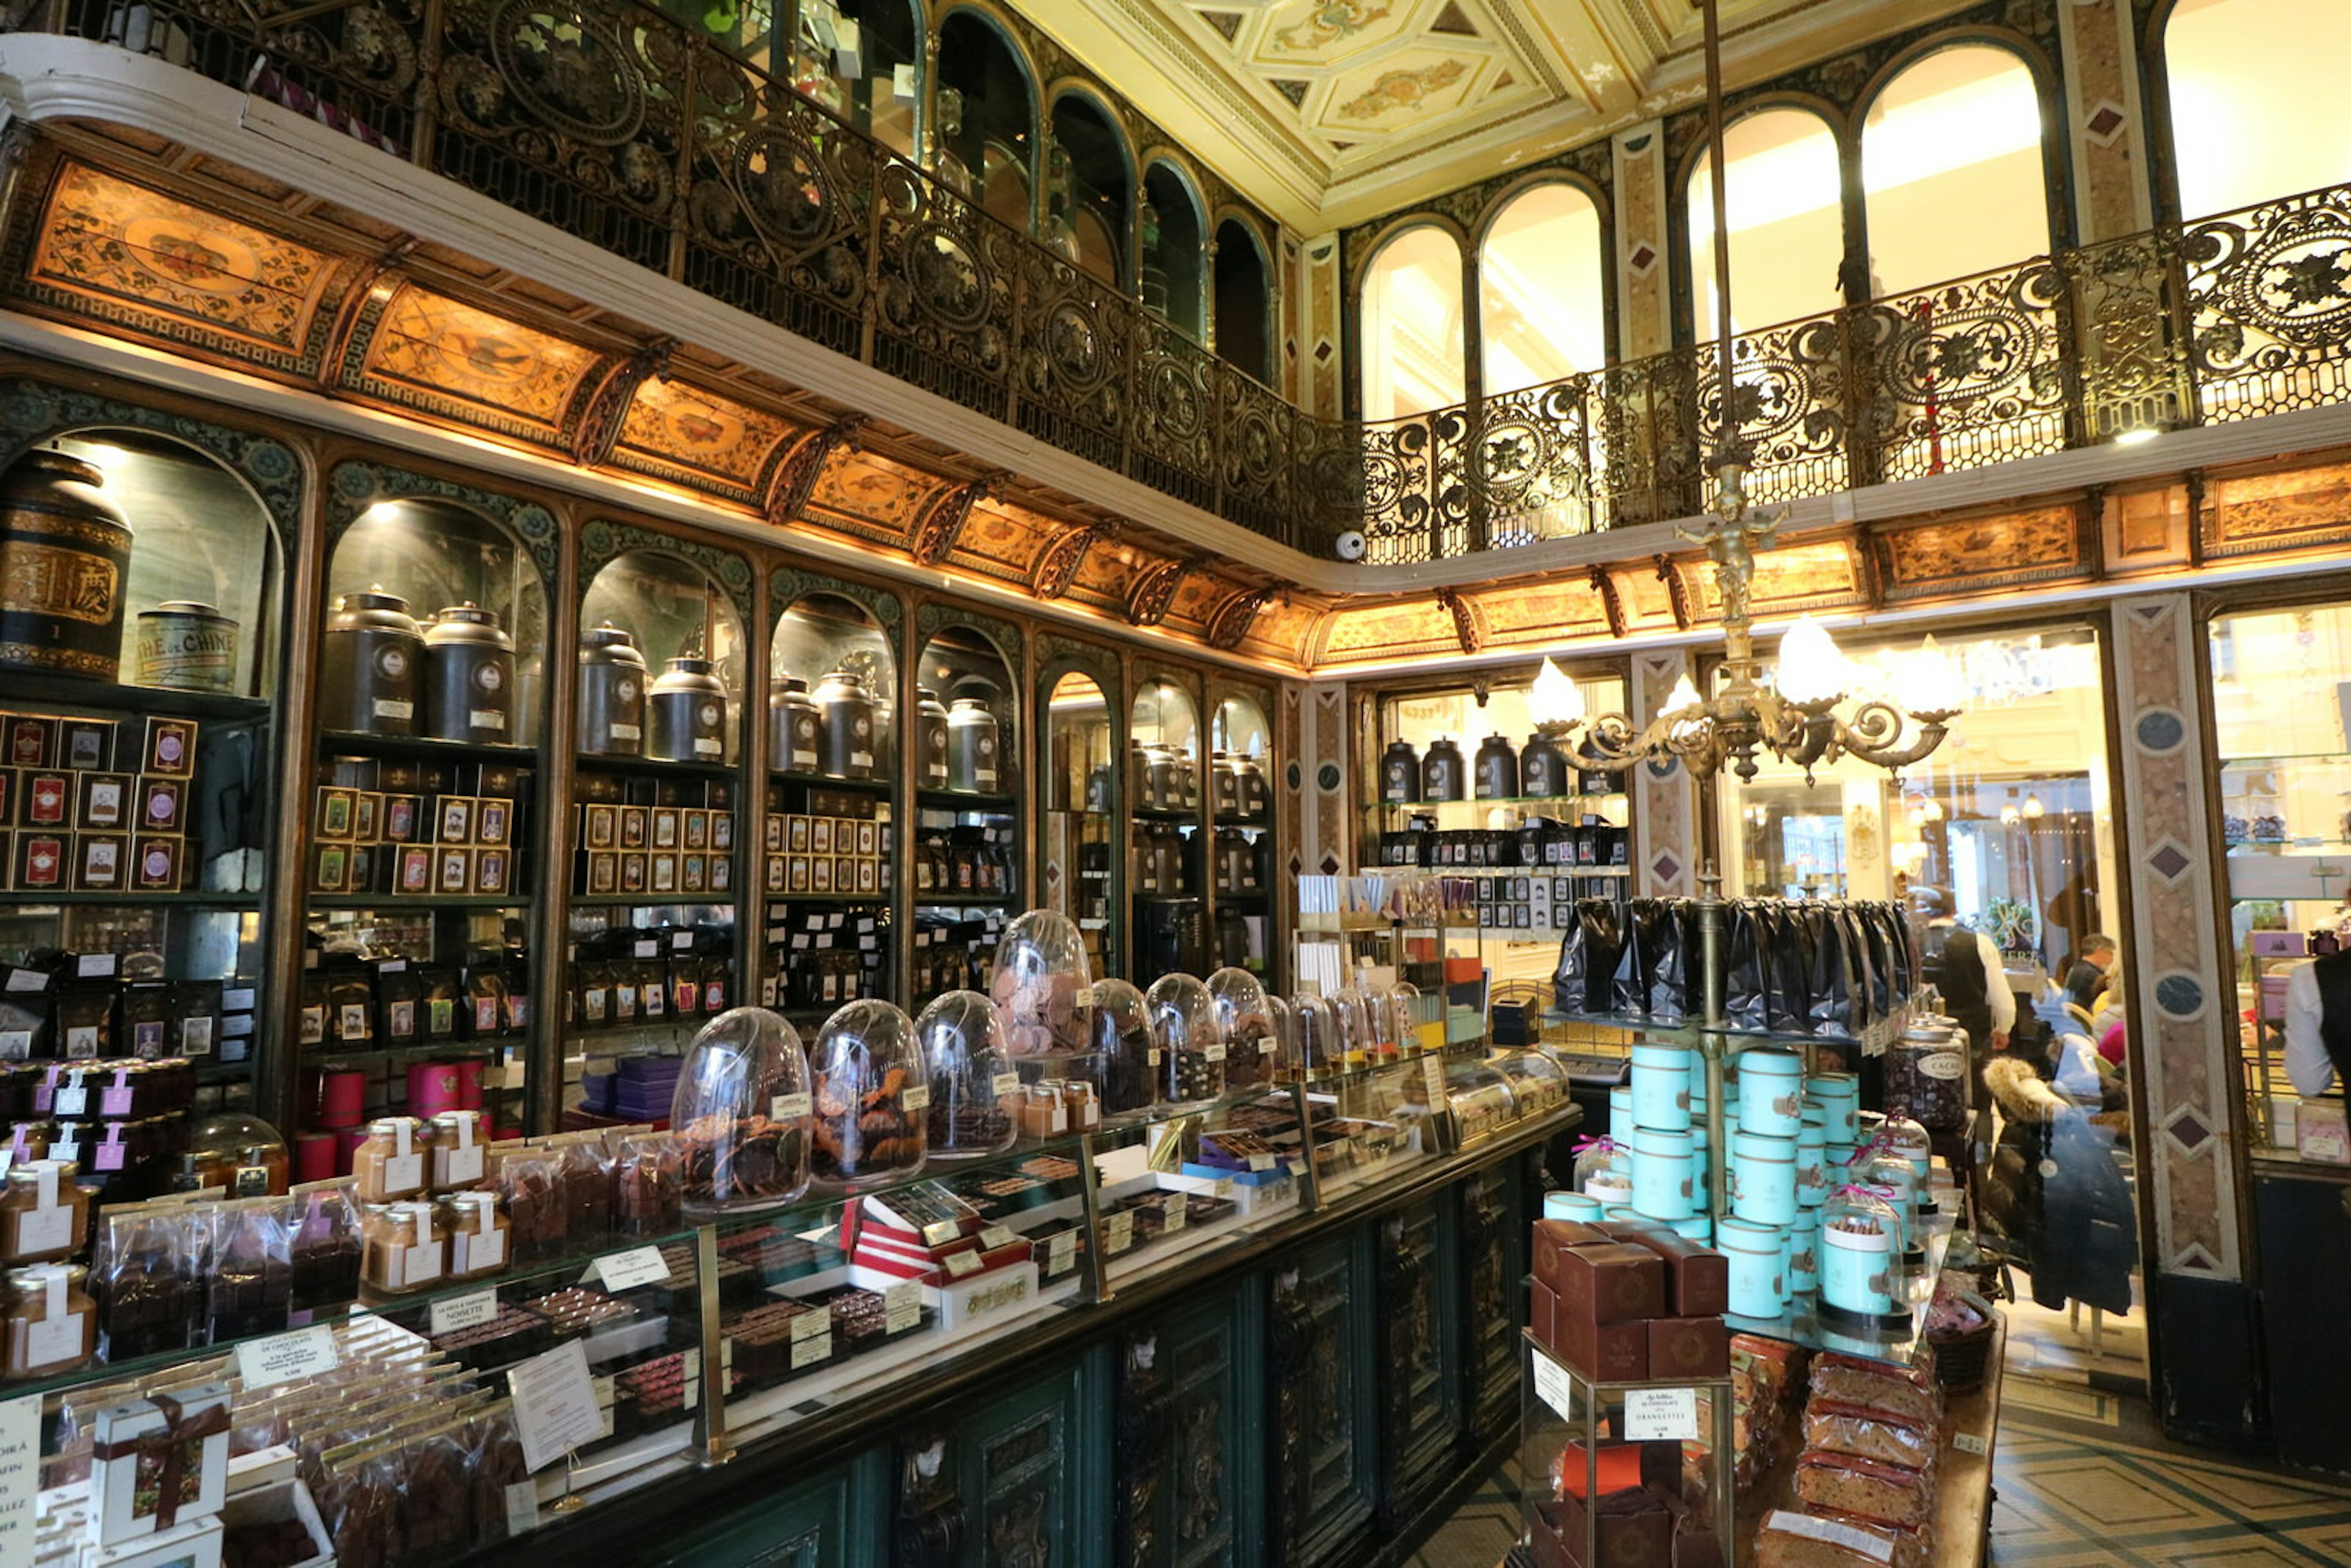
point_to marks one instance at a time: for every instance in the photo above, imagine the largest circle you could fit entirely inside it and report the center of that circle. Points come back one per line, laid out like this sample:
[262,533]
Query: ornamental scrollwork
[1154,592]
[354,487]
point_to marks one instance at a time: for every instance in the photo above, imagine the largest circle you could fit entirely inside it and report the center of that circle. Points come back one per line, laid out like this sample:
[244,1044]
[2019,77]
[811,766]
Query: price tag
[627,1271]
[1433,1072]
[902,1307]
[648,949]
[808,1352]
[1176,1211]
[789,1107]
[1004,1085]
[1265,1047]
[1971,1443]
[555,1404]
[469,1310]
[1551,1385]
[93,966]
[1118,1232]
[1060,1252]
[917,1098]
[522,1508]
[1657,1414]
[959,1264]
[1151,1058]
[681,942]
[995,1236]
[20,1477]
[817,1324]
[1215,1052]
[282,1358]
[1262,1162]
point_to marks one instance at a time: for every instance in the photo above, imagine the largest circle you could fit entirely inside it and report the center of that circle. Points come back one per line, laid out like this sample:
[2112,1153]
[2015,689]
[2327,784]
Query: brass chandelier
[1793,712]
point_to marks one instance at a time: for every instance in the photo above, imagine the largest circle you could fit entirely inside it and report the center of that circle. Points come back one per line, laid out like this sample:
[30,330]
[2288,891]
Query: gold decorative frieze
[1789,580]
[678,432]
[1936,559]
[2304,509]
[439,355]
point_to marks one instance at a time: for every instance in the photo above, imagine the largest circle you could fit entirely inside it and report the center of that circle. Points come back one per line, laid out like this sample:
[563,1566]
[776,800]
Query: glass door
[1081,799]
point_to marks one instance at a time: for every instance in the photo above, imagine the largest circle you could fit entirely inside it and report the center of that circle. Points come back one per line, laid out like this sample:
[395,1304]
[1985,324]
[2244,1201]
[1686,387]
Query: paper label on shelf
[959,1264]
[29,979]
[282,1358]
[624,731]
[1176,1211]
[995,1236]
[20,1477]
[15,1044]
[1433,1074]
[1215,1052]
[1060,1251]
[1118,1232]
[1658,1414]
[1151,1058]
[1005,1084]
[522,1508]
[393,708]
[706,746]
[902,1307]
[555,1404]
[917,1098]
[648,947]
[627,1271]
[1265,1046]
[806,1351]
[94,965]
[1553,1388]
[1971,1443]
[789,1107]
[469,1310]
[1779,1522]
[1263,1161]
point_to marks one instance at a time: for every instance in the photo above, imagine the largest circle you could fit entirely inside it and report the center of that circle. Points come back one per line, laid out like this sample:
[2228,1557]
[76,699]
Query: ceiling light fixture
[1791,713]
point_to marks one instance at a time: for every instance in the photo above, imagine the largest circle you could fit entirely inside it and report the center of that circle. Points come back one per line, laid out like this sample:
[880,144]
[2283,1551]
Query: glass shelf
[1181,815]
[966,900]
[653,767]
[965,800]
[829,782]
[422,749]
[56,690]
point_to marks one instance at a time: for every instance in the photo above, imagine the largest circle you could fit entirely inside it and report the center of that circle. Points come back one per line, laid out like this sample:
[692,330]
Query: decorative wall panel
[1665,805]
[2297,509]
[425,351]
[2047,544]
[678,432]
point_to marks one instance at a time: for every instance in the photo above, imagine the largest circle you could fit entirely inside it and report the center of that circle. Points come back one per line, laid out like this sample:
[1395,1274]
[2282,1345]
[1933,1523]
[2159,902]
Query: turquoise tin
[1620,1120]
[1839,1095]
[1754,1254]
[1578,1206]
[1804,1252]
[1771,1093]
[1661,1087]
[1811,1165]
[1697,1227]
[1858,1268]
[1764,1178]
[1663,1186]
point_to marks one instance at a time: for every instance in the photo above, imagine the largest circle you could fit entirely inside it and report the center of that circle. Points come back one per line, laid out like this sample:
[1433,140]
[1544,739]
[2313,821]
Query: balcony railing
[618,125]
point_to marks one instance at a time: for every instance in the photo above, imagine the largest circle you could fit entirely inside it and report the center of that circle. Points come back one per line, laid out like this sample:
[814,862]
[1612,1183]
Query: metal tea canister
[1542,768]
[974,739]
[931,770]
[1771,1093]
[1661,1087]
[1442,776]
[1813,1170]
[469,678]
[795,730]
[1400,773]
[613,679]
[187,646]
[368,661]
[687,709]
[845,710]
[65,556]
[1497,769]
[1804,1252]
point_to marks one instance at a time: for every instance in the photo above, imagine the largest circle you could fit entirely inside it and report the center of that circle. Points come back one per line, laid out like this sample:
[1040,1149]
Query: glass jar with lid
[457,1144]
[976,1091]
[52,1322]
[1539,1083]
[240,1153]
[1399,1004]
[390,1165]
[1244,1018]
[1125,1060]
[872,1098]
[44,1213]
[1041,970]
[476,1232]
[1911,1141]
[1322,1043]
[1191,1048]
[741,1114]
[404,1247]
[1860,1253]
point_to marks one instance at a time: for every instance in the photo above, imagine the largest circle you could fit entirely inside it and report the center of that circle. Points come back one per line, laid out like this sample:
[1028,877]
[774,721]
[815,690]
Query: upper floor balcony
[618,126]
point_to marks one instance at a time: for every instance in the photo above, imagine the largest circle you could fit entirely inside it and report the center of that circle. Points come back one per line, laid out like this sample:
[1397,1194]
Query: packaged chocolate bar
[323,1253]
[250,1283]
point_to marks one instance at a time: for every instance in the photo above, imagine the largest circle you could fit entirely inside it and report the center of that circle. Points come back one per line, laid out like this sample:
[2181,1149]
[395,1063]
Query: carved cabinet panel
[834,1519]
[1491,1227]
[1419,1355]
[1321,1437]
[1187,1440]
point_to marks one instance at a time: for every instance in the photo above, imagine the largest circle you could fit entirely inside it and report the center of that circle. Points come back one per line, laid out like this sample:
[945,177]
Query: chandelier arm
[1930,736]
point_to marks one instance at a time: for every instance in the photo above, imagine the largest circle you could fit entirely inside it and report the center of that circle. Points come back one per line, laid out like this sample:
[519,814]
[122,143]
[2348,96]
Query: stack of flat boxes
[654,836]
[94,805]
[417,829]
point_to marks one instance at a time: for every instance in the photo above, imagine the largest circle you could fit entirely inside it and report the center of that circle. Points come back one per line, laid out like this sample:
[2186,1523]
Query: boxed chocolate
[599,871]
[694,874]
[105,802]
[336,809]
[156,860]
[694,823]
[413,869]
[99,862]
[367,822]
[454,819]
[493,821]
[498,780]
[633,873]
[143,1444]
[170,749]
[330,868]
[1602,1353]
[599,827]
[162,805]
[1688,1347]
[44,799]
[492,869]
[722,873]
[636,827]
[398,823]
[664,872]
[1621,1282]
[32,740]
[455,872]
[665,821]
[85,742]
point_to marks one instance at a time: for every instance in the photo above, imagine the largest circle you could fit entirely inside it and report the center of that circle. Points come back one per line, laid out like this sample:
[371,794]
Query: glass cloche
[1357,1033]
[1191,1049]
[228,1142]
[1244,1018]
[872,1096]
[740,1114]
[1539,1083]
[1860,1254]
[1124,1057]
[1041,971]
[975,1093]
[1322,1043]
[1481,1099]
[1399,1006]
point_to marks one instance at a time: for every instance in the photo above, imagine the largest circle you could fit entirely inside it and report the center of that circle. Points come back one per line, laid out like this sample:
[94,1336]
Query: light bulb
[1683,696]
[2009,815]
[1811,668]
[1934,809]
[1935,683]
[1555,699]
[2032,806]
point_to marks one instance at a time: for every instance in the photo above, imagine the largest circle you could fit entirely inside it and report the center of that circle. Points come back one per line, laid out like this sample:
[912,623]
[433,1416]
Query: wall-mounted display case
[1245,877]
[969,854]
[1078,757]
[1167,838]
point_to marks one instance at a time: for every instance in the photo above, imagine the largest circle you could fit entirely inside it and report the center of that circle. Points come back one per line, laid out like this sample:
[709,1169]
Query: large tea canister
[1225,784]
[1252,784]
[1441,776]
[972,743]
[469,676]
[794,731]
[185,646]
[368,665]
[930,739]
[688,710]
[64,552]
[1542,768]
[847,711]
[611,694]
[1498,769]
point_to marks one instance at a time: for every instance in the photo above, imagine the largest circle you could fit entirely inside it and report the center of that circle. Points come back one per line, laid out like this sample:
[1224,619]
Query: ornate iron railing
[622,127]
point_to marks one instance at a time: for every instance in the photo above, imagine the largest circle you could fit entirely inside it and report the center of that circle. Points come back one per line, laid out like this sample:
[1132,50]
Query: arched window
[1410,345]
[1244,301]
[1173,236]
[1541,315]
[2258,109]
[1951,169]
[1091,196]
[846,58]
[987,140]
[1786,208]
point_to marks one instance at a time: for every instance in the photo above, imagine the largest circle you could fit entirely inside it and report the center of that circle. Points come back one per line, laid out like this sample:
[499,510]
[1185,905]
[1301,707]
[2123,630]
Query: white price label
[959,1264]
[810,1350]
[904,1307]
[1262,1162]
[1433,1072]
[1060,1252]
[995,1236]
[1265,1046]
[649,947]
[1176,1211]
[1215,1052]
[1971,1443]
[1151,1059]
[522,1508]
[817,1324]
[469,1310]
[789,1107]
[627,1271]
[917,1098]
[1660,1414]
[1004,1085]
[555,1404]
[1119,1232]
[1554,1389]
[92,965]
[282,1358]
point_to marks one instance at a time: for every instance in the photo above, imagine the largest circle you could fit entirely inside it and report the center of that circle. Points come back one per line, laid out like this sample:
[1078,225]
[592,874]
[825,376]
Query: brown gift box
[1697,1278]
[1635,1531]
[1602,1353]
[1610,1284]
[1553,1237]
[1688,1347]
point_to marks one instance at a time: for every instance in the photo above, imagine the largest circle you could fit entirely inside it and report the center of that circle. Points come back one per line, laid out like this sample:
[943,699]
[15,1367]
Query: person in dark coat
[2056,1200]
[2087,978]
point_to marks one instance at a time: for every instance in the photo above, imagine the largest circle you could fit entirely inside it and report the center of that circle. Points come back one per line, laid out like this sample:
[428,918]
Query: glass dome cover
[1182,1019]
[1398,1007]
[1040,969]
[1481,1098]
[1321,1046]
[228,1141]
[1123,1056]
[873,1091]
[1357,1037]
[1906,1137]
[1244,1018]
[1860,1252]
[740,1114]
[974,1091]
[1540,1083]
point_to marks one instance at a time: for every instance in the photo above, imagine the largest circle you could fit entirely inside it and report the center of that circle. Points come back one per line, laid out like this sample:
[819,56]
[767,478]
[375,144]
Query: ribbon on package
[161,1456]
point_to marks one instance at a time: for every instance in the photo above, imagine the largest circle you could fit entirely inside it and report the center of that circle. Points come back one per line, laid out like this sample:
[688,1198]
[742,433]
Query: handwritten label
[1060,1252]
[1262,1162]
[1971,1443]
[555,1404]
[627,1271]
[1176,1211]
[1119,1232]
[994,1237]
[902,1307]
[917,1098]
[959,1264]
[282,1358]
[1657,1414]
[789,1107]
[20,1476]
[1553,1386]
[469,1310]
[1215,1052]
[1004,1085]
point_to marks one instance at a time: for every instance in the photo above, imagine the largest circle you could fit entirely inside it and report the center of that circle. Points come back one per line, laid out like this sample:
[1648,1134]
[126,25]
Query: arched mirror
[986,120]
[1786,204]
[1244,301]
[1951,169]
[862,60]
[676,621]
[832,652]
[968,855]
[1541,314]
[2256,98]
[1082,798]
[1173,236]
[1091,194]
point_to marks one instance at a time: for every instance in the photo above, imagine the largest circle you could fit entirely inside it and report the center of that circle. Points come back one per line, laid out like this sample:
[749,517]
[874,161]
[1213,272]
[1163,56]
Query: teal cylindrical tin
[1764,1178]
[1697,1227]
[1804,1252]
[1663,1188]
[1661,1087]
[1812,1162]
[1771,1093]
[1840,1096]
[1577,1206]
[1860,1258]
[1754,1254]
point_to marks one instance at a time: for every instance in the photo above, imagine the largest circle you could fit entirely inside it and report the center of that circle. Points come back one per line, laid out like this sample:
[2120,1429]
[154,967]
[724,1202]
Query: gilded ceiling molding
[936,529]
[796,474]
[1230,621]
[1154,592]
[599,424]
[1469,623]
[373,283]
[1678,597]
[1605,586]
[1058,562]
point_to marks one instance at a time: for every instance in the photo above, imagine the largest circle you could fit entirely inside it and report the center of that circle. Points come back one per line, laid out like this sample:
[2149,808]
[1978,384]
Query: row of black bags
[1835,970]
